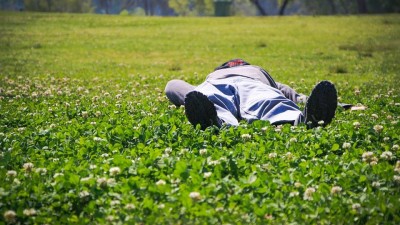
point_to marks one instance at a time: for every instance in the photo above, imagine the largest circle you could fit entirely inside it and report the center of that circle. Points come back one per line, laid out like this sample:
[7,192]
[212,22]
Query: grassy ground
[87,135]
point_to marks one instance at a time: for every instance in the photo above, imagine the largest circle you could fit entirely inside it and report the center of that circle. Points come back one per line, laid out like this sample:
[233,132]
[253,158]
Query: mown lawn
[87,135]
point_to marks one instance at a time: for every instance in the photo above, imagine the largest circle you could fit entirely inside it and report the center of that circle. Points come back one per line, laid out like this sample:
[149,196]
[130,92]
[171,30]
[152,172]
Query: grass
[87,135]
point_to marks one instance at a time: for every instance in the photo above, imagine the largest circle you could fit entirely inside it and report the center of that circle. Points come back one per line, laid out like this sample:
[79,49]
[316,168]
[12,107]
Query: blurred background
[206,7]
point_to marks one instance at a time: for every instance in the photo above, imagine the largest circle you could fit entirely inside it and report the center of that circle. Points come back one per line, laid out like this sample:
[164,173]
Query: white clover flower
[41,171]
[203,151]
[195,195]
[246,136]
[207,174]
[97,113]
[336,190]
[219,209]
[28,167]
[321,122]
[395,147]
[309,193]
[93,123]
[118,96]
[356,125]
[289,155]
[373,163]
[369,157]
[272,155]
[110,218]
[92,166]
[168,150]
[161,206]
[175,181]
[111,182]
[297,184]
[85,179]
[223,158]
[386,139]
[85,114]
[104,155]
[214,162]
[115,202]
[356,206]
[115,171]
[346,145]
[268,217]
[84,194]
[16,181]
[10,216]
[376,184]
[29,212]
[97,139]
[130,206]
[378,128]
[58,175]
[396,178]
[292,140]
[102,182]
[246,217]
[160,182]
[397,167]
[11,173]
[294,194]
[375,116]
[386,155]
[184,151]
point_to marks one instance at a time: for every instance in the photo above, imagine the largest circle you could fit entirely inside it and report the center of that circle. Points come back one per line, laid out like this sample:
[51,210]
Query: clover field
[87,135]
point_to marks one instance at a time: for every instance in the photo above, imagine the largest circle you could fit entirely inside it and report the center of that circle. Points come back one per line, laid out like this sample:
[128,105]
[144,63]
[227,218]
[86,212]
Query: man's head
[232,63]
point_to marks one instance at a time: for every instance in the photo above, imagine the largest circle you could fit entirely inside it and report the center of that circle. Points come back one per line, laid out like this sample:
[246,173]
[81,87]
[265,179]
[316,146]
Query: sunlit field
[87,135]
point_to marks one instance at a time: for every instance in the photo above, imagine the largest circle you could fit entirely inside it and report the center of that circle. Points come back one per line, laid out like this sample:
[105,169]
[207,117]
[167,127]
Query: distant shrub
[124,13]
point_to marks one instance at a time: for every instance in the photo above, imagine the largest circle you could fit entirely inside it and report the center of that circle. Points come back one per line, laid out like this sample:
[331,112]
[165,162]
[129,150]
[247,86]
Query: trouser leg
[238,98]
[259,101]
[222,95]
[176,91]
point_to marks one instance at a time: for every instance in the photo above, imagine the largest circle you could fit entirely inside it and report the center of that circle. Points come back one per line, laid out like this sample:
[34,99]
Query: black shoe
[200,110]
[321,105]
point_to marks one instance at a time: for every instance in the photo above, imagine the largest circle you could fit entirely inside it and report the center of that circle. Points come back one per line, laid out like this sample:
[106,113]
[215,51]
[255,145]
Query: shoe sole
[200,110]
[321,105]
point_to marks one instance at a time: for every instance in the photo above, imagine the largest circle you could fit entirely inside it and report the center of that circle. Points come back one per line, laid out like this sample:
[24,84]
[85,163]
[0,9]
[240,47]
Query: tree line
[206,7]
